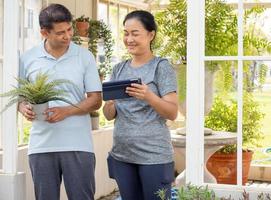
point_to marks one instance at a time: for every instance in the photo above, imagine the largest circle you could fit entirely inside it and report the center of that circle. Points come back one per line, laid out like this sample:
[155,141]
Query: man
[62,146]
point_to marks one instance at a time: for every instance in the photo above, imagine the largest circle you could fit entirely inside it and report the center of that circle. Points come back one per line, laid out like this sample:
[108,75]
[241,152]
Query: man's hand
[27,111]
[57,114]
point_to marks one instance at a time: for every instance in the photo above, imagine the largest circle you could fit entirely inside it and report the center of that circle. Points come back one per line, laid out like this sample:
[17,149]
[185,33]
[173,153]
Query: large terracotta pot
[224,167]
[82,28]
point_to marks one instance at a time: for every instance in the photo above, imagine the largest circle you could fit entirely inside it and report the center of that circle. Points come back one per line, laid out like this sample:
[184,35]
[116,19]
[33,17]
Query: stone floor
[113,196]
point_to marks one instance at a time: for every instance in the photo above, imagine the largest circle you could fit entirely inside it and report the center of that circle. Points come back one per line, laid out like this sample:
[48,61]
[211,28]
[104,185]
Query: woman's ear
[152,35]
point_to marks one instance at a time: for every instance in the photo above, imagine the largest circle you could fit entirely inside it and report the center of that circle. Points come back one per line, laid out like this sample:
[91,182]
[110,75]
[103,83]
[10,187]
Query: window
[117,12]
[196,58]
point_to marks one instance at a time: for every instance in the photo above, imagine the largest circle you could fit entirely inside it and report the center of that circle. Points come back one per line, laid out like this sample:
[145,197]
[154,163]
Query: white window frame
[10,69]
[195,99]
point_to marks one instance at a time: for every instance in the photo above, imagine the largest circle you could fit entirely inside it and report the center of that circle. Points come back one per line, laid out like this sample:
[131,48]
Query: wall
[102,140]
[77,8]
[30,27]
[1,54]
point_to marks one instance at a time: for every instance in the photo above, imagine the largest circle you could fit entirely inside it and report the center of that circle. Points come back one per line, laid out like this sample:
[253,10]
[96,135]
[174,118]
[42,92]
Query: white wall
[31,28]
[1,54]
[77,7]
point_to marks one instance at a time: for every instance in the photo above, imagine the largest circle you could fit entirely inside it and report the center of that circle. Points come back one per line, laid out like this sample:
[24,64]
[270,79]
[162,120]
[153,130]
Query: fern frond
[39,91]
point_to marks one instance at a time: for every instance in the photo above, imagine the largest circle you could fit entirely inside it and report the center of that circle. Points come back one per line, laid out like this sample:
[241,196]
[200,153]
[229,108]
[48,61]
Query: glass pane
[256,131]
[113,24]
[102,12]
[257,29]
[220,29]
[121,47]
[220,122]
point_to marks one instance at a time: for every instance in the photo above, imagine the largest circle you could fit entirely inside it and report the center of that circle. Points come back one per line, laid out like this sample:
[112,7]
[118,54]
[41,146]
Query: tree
[220,38]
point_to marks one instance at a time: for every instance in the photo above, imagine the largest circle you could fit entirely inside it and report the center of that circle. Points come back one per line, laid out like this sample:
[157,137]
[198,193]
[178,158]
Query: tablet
[116,89]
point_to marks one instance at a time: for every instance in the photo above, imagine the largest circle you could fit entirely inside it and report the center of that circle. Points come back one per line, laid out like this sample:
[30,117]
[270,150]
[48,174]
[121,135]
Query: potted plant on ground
[82,25]
[94,116]
[37,93]
[223,117]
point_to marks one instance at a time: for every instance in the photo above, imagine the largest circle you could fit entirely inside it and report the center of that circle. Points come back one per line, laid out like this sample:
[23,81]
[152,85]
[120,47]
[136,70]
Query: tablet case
[116,89]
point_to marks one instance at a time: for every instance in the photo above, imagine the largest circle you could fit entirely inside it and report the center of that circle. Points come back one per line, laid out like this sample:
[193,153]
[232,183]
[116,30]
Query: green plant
[94,114]
[82,18]
[39,91]
[220,38]
[193,192]
[223,117]
[99,31]
[189,192]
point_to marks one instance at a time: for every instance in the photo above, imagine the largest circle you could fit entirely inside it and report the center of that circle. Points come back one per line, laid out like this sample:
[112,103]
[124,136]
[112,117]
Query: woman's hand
[27,111]
[139,91]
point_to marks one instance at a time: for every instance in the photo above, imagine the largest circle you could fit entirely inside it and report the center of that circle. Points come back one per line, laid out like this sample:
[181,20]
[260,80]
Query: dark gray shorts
[76,168]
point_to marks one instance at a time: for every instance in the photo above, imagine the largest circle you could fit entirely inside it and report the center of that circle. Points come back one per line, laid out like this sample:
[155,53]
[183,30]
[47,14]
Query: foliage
[223,117]
[220,35]
[189,192]
[99,31]
[221,31]
[262,74]
[39,91]
[82,19]
[94,114]
[196,192]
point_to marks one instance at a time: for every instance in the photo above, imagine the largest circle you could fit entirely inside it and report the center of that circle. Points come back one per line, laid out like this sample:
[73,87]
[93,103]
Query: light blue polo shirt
[79,66]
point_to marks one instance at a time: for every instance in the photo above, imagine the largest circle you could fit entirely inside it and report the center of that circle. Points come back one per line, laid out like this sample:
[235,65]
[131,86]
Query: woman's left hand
[139,91]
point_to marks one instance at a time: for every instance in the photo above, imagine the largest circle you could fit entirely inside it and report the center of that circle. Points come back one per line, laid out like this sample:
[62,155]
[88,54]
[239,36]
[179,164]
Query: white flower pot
[39,110]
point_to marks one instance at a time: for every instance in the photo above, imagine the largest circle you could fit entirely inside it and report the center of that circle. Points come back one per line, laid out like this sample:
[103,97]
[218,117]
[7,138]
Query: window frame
[195,98]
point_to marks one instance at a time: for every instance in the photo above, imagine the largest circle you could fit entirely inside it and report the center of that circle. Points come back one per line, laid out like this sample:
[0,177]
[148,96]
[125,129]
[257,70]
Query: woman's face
[136,38]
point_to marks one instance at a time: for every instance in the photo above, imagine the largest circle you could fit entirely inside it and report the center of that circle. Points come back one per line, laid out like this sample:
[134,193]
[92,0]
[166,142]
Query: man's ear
[44,32]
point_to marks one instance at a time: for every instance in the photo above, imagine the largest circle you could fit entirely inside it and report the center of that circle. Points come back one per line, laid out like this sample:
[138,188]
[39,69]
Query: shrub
[223,117]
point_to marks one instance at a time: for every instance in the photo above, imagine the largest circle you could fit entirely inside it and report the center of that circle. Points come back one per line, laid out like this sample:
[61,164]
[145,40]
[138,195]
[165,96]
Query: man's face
[60,35]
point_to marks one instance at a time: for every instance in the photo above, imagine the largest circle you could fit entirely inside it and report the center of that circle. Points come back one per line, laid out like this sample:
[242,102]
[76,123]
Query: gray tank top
[140,133]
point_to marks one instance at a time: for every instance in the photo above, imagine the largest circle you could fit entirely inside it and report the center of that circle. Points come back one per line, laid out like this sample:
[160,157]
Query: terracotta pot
[224,167]
[82,28]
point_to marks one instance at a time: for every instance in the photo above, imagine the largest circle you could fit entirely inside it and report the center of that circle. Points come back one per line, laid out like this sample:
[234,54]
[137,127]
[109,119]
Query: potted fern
[37,93]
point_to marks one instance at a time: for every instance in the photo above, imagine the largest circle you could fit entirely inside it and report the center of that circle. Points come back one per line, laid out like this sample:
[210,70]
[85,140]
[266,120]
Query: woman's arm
[109,110]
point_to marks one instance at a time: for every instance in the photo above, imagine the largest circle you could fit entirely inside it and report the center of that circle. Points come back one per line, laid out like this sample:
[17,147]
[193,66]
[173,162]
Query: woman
[141,160]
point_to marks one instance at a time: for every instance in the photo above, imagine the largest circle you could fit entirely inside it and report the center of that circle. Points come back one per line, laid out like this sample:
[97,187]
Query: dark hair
[145,17]
[54,13]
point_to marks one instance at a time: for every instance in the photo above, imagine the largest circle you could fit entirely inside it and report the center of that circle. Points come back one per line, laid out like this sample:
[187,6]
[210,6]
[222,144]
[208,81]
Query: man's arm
[91,103]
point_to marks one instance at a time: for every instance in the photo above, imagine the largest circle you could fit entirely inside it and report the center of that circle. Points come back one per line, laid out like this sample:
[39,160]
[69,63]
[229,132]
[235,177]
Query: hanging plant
[98,32]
